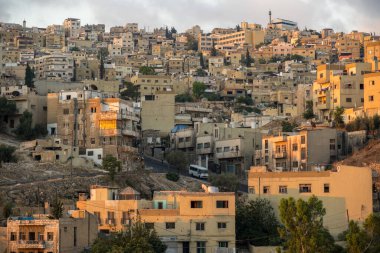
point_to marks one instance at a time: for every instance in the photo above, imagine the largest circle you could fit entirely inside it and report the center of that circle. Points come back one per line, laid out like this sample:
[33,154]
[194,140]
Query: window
[222,225]
[50,236]
[370,98]
[251,190]
[348,100]
[222,204]
[223,244]
[22,236]
[226,149]
[283,189]
[170,225]
[294,147]
[196,204]
[201,247]
[66,111]
[266,189]
[199,145]
[90,153]
[200,226]
[295,164]
[303,153]
[13,236]
[303,139]
[75,236]
[332,144]
[218,150]
[305,188]
[207,145]
[326,188]
[92,140]
[99,156]
[149,225]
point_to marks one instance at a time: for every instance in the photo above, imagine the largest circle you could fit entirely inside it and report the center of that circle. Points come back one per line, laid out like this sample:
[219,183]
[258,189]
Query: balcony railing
[130,133]
[110,132]
[110,221]
[31,244]
[278,155]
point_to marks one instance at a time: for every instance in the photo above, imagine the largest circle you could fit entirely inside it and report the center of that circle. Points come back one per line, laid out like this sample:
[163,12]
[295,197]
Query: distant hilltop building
[283,24]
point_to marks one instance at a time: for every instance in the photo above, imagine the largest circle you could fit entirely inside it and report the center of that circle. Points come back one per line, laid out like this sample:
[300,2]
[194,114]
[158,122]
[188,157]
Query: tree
[213,50]
[74,78]
[177,159]
[7,209]
[237,28]
[198,89]
[173,31]
[57,208]
[201,61]
[24,131]
[309,113]
[6,154]
[146,70]
[248,59]
[225,182]
[103,53]
[7,108]
[29,76]
[338,116]
[200,72]
[210,96]
[256,223]
[185,97]
[112,165]
[303,229]
[101,69]
[262,61]
[131,91]
[137,239]
[244,100]
[167,33]
[366,239]
[288,126]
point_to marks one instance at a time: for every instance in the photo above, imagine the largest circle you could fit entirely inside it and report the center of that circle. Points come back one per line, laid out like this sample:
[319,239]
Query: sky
[341,15]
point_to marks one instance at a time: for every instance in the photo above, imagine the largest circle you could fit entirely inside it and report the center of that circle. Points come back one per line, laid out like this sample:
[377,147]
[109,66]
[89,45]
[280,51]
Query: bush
[172,176]
[6,154]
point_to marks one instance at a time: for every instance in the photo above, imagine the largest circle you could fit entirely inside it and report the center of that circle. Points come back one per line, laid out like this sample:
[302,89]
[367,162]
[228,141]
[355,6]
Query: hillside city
[256,138]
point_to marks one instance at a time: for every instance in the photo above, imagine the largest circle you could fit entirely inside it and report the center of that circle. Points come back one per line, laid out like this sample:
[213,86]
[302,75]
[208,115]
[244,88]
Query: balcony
[31,244]
[110,221]
[322,106]
[280,155]
[228,148]
[129,133]
[110,132]
[109,116]
[129,116]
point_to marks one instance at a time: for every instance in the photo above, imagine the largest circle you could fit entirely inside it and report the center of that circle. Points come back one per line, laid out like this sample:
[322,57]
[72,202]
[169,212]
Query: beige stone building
[71,27]
[54,67]
[184,221]
[39,234]
[338,85]
[148,86]
[346,192]
[25,100]
[99,125]
[372,54]
[158,112]
[305,150]
[372,94]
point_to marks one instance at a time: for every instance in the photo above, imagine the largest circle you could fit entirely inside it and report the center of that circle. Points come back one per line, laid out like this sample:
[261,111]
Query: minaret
[270,17]
[24,24]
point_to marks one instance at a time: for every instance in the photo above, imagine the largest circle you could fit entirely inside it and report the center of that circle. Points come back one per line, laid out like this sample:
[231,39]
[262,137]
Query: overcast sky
[342,15]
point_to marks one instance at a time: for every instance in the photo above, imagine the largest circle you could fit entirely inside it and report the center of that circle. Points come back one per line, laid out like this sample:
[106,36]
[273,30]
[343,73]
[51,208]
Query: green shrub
[172,176]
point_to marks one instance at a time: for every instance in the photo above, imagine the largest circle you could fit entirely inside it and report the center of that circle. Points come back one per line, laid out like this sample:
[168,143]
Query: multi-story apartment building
[338,85]
[206,41]
[307,52]
[43,235]
[54,40]
[346,192]
[55,66]
[283,24]
[251,36]
[72,27]
[348,47]
[25,100]
[184,221]
[305,150]
[232,150]
[372,94]
[149,85]
[132,27]
[93,121]
[157,112]
[372,54]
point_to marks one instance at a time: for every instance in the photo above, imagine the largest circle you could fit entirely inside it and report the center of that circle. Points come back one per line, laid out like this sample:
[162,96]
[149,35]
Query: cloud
[342,15]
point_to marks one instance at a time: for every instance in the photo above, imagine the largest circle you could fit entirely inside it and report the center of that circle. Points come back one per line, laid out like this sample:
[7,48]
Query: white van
[198,171]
